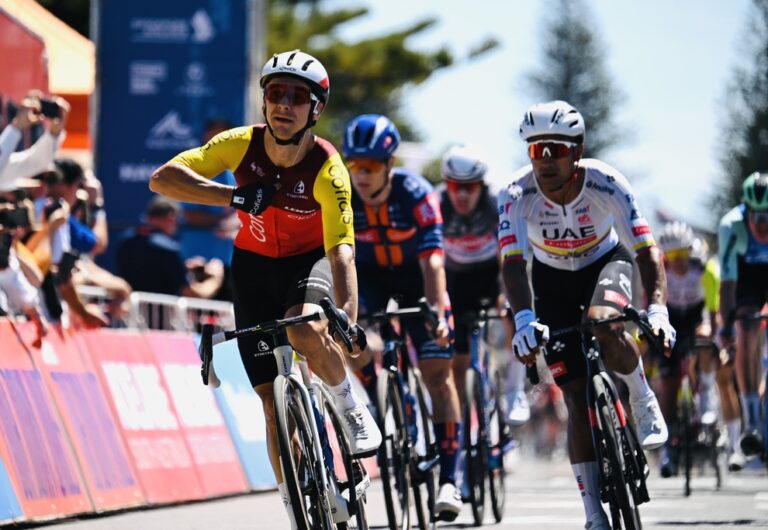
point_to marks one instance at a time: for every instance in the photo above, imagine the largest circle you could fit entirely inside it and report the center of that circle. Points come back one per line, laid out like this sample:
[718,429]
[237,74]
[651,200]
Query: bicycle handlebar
[337,320]
[424,310]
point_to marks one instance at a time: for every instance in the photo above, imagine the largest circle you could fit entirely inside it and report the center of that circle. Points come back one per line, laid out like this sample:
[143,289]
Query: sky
[672,60]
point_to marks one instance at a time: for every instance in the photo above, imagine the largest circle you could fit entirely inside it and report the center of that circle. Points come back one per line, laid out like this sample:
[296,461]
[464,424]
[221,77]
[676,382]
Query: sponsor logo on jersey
[515,192]
[630,198]
[504,225]
[257,169]
[584,219]
[583,209]
[606,281]
[263,346]
[509,240]
[616,298]
[599,187]
[610,178]
[568,238]
[558,369]
[428,211]
[640,230]
[298,191]
[634,215]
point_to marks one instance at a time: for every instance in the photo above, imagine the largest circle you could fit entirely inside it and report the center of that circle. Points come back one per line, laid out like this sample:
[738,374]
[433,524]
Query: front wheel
[475,446]
[498,442]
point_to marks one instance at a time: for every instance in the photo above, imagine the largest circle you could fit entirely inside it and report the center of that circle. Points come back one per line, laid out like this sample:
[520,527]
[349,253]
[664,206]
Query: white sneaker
[736,461]
[361,430]
[598,521]
[449,502]
[650,424]
[519,409]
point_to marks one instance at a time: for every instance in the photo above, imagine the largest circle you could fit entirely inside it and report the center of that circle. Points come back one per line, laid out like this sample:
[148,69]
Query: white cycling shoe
[598,521]
[650,424]
[448,504]
[519,409]
[362,432]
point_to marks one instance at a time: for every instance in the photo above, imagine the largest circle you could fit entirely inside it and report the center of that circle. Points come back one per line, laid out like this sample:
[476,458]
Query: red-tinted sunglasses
[455,187]
[295,94]
[541,150]
[369,165]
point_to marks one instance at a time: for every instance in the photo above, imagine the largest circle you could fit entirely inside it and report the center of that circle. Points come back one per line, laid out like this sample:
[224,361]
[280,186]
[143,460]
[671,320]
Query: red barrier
[203,426]
[40,462]
[140,400]
[85,412]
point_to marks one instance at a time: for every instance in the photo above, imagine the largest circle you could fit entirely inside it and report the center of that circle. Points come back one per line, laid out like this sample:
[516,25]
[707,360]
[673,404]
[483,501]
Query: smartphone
[50,109]
[5,249]
[55,205]
[10,110]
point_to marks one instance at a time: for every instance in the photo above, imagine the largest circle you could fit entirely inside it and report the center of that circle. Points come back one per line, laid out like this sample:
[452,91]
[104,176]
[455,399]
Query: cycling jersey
[403,229]
[470,240]
[309,210]
[577,234]
[700,284]
[737,245]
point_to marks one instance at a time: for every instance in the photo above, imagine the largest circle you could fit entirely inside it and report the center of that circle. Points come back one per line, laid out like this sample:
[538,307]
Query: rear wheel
[394,453]
[497,427]
[475,447]
[297,458]
[425,488]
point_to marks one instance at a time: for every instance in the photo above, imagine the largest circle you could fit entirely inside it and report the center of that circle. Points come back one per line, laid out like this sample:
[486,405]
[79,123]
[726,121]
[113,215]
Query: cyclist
[398,229]
[571,211]
[296,243]
[470,223]
[743,249]
[692,284]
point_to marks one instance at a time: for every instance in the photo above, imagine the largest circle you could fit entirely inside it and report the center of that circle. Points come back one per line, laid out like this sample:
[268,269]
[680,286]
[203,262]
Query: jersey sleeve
[710,281]
[633,227]
[729,242]
[333,192]
[513,230]
[429,219]
[223,152]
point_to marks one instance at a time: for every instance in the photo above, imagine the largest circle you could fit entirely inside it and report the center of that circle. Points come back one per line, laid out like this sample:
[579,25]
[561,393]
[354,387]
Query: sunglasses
[541,150]
[455,187]
[295,94]
[759,216]
[678,253]
[369,165]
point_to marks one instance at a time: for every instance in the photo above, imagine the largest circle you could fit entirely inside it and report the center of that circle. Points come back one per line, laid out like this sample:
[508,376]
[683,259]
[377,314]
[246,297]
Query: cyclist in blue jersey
[743,249]
[399,242]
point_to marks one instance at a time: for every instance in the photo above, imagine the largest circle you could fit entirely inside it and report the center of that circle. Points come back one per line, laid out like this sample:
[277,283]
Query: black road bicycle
[622,464]
[324,495]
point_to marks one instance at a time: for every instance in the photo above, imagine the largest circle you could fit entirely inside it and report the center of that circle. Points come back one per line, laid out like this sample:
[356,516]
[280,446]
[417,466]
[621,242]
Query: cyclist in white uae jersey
[573,212]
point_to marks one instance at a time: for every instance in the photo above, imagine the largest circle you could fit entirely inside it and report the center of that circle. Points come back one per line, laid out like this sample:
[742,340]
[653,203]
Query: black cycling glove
[252,198]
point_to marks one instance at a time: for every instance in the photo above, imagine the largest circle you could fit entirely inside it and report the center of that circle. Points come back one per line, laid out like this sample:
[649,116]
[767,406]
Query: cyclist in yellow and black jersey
[296,243]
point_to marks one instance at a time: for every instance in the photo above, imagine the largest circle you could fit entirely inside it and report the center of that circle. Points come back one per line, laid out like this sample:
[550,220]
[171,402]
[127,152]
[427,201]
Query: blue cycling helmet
[370,136]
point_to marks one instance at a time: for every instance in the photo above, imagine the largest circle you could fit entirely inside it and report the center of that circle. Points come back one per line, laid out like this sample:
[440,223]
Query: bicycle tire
[394,453]
[497,475]
[622,498]
[310,506]
[685,445]
[351,466]
[425,507]
[475,444]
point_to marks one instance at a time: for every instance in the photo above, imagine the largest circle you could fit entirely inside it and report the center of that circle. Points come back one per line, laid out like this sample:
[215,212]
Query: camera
[5,249]
[55,205]
[50,109]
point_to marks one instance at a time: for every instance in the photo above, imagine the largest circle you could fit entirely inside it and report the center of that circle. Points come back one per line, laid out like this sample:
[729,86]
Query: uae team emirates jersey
[574,235]
[310,209]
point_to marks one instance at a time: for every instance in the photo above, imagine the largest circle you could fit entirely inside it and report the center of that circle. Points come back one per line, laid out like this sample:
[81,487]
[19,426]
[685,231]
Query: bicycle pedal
[447,517]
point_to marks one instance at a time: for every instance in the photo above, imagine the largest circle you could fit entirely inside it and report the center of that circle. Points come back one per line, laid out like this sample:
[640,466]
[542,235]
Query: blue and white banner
[164,70]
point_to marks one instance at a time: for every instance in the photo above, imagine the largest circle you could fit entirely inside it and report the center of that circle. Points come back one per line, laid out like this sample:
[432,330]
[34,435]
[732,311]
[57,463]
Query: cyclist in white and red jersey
[470,230]
[572,213]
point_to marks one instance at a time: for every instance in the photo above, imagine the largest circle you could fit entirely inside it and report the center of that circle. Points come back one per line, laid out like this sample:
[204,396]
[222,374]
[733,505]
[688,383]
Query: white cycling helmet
[675,236]
[553,119]
[303,66]
[462,164]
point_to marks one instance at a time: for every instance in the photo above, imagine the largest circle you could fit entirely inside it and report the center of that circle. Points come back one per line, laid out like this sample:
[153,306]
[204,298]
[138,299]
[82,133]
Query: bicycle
[698,438]
[487,437]
[322,498]
[408,454]
[623,468]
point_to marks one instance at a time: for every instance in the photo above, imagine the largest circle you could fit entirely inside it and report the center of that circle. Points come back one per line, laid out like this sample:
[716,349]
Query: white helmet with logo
[553,120]
[462,164]
[676,236]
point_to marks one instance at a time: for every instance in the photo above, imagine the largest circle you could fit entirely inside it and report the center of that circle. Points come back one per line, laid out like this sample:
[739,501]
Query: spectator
[208,231]
[37,158]
[150,259]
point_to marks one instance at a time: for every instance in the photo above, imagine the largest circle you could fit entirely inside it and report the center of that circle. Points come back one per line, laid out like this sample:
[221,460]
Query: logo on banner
[170,133]
[146,76]
[195,83]
[197,29]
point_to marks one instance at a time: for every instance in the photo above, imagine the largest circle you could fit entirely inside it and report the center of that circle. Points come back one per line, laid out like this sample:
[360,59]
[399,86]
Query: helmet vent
[555,116]
[306,65]
[290,58]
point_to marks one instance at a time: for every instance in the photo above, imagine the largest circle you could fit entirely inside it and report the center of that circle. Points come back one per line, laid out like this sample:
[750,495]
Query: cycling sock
[637,383]
[283,489]
[586,474]
[344,395]
[734,432]
[448,435]
[367,376]
[750,404]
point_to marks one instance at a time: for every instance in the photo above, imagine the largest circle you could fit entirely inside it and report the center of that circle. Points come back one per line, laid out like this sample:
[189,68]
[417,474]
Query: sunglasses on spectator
[541,150]
[759,216]
[455,187]
[295,94]
[369,165]
[676,254]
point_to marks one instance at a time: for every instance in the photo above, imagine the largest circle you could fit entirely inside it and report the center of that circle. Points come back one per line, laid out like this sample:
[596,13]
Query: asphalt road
[541,494]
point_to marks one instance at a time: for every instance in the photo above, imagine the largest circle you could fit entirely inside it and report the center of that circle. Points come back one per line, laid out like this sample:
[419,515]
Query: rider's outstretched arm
[652,275]
[342,260]
[516,285]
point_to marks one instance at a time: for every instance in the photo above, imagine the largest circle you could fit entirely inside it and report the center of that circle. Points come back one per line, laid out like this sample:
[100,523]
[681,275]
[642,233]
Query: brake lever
[335,318]
[430,315]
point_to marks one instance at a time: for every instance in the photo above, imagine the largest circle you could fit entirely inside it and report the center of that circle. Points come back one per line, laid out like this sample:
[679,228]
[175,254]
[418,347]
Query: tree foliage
[572,68]
[744,132]
[367,76]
